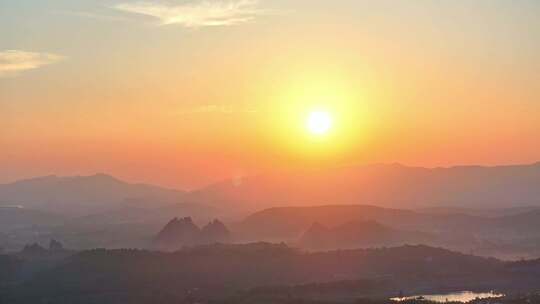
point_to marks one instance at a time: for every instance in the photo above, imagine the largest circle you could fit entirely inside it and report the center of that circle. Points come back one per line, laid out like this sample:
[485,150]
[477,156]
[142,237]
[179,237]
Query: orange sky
[184,100]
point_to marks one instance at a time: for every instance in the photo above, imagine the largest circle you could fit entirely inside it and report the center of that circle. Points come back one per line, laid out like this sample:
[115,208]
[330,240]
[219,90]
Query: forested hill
[214,271]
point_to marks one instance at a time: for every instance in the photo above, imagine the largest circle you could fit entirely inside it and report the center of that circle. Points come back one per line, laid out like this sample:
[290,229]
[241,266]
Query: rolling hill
[291,222]
[84,195]
[507,237]
[358,234]
[394,186]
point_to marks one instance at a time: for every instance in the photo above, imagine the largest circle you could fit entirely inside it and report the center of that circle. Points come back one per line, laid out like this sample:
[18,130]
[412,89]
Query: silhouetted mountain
[55,245]
[178,233]
[183,232]
[126,227]
[33,250]
[358,234]
[215,232]
[291,222]
[383,185]
[55,251]
[510,236]
[83,195]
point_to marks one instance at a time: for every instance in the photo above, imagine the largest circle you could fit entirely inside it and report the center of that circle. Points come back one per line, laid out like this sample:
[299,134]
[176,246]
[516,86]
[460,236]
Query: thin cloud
[91,15]
[13,62]
[197,14]
[211,108]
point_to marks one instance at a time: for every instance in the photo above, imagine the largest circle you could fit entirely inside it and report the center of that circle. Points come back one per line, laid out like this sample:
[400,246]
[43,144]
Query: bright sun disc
[319,122]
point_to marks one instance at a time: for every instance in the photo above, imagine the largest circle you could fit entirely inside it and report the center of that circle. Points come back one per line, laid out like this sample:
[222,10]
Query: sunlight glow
[319,122]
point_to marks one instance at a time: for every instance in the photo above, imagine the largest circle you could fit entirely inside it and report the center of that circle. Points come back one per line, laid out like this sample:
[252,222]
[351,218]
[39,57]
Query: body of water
[462,296]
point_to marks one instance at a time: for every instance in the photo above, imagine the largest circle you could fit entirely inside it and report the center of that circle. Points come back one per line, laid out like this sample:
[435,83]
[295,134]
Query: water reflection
[462,296]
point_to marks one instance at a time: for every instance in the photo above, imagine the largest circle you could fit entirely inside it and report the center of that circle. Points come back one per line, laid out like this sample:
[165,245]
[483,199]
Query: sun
[319,122]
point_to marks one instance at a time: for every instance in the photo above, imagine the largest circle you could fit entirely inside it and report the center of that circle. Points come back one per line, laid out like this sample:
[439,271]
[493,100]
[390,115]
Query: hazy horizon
[89,174]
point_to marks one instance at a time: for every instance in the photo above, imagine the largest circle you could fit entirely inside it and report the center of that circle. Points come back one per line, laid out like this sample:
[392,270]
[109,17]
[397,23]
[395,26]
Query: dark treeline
[254,271]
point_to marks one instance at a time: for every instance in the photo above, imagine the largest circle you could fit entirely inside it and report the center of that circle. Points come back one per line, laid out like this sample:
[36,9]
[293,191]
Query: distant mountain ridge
[290,223]
[83,195]
[391,185]
[384,185]
[459,200]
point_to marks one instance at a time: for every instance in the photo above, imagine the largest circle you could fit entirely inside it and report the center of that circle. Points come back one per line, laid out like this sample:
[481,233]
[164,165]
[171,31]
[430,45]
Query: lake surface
[462,296]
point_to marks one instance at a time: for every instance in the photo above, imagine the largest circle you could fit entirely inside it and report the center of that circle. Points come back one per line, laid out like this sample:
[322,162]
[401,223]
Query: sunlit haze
[183,94]
[269,151]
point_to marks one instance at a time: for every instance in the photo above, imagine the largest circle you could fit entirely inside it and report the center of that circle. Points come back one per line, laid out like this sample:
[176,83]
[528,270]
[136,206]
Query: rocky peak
[180,232]
[55,245]
[215,232]
[33,250]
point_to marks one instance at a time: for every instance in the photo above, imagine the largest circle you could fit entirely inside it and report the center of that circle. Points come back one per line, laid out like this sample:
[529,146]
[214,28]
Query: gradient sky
[184,93]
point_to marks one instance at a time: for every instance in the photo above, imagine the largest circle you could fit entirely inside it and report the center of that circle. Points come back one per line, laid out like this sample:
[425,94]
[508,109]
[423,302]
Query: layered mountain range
[84,195]
[490,209]
[394,186]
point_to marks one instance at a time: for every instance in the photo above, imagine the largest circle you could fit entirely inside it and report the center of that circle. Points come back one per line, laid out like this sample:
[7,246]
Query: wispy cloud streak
[212,108]
[13,62]
[197,14]
[91,15]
